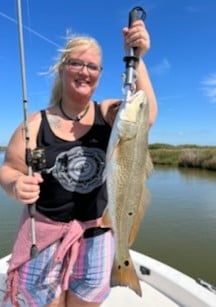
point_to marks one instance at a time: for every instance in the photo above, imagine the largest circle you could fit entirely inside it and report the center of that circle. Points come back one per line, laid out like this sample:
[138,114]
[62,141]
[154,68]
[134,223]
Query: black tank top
[74,185]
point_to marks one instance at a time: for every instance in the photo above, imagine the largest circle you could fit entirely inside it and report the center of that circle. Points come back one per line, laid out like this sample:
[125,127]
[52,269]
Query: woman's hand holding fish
[137,36]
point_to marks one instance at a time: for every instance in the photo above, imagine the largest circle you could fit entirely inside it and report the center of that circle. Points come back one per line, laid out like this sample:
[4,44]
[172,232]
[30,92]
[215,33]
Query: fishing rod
[28,153]
[131,59]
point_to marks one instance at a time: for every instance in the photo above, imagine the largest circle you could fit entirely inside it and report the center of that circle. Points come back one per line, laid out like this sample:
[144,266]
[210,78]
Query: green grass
[181,155]
[184,155]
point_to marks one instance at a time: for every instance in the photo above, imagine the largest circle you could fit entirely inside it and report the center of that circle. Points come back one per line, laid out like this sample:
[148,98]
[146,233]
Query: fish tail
[124,274]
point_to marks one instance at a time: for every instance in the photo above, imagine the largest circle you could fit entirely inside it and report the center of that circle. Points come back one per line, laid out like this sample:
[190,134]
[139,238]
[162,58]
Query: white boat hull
[162,286]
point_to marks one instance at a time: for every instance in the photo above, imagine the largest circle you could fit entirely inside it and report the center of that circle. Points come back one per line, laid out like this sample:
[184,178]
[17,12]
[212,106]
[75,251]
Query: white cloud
[161,68]
[209,87]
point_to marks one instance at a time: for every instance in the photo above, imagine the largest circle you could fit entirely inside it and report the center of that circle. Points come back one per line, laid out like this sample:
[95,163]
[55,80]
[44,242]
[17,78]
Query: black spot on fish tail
[126,263]
[124,274]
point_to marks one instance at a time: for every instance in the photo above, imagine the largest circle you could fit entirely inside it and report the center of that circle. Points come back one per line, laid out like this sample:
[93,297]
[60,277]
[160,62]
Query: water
[180,224]
[179,227]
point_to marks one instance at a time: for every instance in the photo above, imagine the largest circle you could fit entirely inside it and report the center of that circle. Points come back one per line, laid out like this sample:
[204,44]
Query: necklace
[75,118]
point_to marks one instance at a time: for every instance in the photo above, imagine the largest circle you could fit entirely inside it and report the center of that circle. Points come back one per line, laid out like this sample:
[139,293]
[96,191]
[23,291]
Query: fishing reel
[36,159]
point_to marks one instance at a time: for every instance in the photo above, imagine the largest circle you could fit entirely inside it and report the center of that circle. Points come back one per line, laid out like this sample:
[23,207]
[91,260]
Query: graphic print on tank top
[80,169]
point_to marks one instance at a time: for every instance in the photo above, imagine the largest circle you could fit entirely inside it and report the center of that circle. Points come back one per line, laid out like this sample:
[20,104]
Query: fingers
[27,188]
[112,111]
[38,177]
[137,36]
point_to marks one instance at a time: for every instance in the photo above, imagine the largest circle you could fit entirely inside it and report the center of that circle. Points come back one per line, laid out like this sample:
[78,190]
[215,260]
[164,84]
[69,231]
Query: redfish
[128,165]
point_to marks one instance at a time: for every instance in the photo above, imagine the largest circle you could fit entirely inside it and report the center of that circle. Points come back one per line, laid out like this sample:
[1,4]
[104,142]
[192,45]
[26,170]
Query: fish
[127,167]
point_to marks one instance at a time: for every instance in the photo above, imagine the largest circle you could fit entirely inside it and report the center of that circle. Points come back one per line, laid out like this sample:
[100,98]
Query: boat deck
[163,287]
[125,297]
[121,296]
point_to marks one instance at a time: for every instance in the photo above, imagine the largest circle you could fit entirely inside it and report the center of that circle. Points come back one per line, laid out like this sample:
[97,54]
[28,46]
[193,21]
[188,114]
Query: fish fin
[125,275]
[106,219]
[138,217]
[110,153]
[113,144]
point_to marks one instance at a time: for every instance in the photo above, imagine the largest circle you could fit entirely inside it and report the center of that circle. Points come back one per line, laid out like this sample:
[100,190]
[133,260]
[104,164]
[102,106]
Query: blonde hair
[74,44]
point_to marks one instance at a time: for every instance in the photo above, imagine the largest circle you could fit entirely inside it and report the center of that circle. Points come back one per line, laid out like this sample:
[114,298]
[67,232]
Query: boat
[162,286]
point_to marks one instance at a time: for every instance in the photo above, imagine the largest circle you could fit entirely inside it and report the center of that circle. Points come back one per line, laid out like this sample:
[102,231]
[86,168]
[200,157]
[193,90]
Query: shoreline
[191,156]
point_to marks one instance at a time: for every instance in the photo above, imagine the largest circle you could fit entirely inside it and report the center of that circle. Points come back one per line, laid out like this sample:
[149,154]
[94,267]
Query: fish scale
[128,166]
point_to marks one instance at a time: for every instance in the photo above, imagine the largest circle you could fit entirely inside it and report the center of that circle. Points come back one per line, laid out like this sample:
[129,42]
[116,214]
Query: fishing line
[44,38]
[28,18]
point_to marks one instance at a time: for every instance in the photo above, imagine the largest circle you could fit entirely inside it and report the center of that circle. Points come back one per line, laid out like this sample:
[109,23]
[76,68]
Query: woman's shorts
[39,279]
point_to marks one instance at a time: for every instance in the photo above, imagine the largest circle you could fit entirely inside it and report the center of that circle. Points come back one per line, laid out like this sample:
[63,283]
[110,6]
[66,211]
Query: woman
[75,255]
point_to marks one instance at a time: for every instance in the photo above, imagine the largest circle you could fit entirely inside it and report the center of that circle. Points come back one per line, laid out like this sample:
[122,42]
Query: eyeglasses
[77,65]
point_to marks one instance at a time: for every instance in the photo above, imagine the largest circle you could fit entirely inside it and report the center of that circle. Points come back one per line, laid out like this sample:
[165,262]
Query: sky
[181,61]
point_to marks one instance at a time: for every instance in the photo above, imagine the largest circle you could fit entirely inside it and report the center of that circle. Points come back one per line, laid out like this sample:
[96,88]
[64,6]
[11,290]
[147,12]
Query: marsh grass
[181,155]
[184,155]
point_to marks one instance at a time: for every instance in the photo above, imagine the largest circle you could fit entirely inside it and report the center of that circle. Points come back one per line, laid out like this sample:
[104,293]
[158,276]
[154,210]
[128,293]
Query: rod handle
[136,13]
[33,251]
